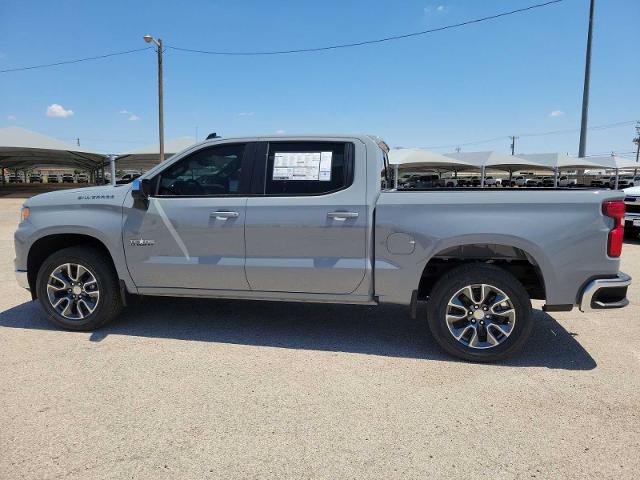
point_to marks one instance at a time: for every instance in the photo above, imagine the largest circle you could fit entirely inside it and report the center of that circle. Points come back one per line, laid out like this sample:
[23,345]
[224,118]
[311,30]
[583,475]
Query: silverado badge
[142,243]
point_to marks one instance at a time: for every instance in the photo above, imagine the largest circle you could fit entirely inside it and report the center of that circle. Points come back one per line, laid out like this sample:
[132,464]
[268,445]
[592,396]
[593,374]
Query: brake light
[615,210]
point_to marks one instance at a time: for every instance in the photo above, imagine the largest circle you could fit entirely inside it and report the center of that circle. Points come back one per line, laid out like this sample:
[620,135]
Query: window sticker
[325,166]
[302,166]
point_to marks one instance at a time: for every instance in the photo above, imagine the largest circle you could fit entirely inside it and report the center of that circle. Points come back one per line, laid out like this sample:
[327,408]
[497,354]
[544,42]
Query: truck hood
[632,191]
[106,194]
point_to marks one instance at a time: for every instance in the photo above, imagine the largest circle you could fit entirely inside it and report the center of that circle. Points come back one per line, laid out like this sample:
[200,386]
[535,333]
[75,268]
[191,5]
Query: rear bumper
[22,279]
[605,293]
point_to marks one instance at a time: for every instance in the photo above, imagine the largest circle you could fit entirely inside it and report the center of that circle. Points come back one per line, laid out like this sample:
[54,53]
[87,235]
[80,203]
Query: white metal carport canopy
[147,157]
[559,161]
[499,161]
[419,158]
[615,162]
[22,149]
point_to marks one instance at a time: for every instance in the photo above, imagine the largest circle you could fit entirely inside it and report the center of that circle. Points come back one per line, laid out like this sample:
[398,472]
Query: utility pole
[158,43]
[458,149]
[637,142]
[582,150]
[78,141]
[513,144]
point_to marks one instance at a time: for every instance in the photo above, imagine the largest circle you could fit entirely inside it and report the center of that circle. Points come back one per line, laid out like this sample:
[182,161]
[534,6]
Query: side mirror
[140,189]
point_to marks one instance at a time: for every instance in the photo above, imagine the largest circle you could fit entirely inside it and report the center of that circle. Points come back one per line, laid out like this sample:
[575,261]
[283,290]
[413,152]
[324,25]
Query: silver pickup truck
[310,218]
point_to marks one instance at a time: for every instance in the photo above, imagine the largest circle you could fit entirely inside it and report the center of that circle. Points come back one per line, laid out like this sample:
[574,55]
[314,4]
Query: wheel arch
[512,256]
[50,243]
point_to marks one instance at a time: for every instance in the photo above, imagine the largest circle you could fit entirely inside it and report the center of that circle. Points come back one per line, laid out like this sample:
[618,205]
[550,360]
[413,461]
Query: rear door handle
[223,215]
[342,216]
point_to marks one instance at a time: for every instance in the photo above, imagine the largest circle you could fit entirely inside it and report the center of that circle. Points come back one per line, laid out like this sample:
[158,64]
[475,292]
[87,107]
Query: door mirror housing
[141,189]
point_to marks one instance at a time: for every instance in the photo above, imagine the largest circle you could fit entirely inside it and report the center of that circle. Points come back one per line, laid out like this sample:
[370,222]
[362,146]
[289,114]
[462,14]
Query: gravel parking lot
[230,389]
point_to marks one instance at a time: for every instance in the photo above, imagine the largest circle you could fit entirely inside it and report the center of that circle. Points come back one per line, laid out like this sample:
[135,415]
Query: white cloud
[11,118]
[556,113]
[246,114]
[280,132]
[132,116]
[434,8]
[58,111]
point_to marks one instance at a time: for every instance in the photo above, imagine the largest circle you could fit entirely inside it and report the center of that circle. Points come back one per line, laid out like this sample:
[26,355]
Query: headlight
[24,213]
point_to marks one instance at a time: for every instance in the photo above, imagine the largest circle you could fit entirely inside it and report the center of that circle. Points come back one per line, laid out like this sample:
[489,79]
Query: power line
[299,50]
[367,42]
[537,134]
[78,60]
[468,144]
[574,130]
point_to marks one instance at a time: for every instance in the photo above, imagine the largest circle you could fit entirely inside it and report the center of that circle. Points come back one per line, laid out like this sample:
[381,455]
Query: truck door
[307,230]
[192,233]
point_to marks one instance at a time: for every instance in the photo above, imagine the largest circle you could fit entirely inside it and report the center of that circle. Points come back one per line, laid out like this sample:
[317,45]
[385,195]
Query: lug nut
[484,308]
[475,306]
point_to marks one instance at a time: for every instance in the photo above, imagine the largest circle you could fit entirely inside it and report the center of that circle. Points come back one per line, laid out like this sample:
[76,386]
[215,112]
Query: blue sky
[487,80]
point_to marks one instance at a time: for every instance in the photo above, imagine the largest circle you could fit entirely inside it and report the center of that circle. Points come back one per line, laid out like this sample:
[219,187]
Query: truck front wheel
[479,312]
[78,288]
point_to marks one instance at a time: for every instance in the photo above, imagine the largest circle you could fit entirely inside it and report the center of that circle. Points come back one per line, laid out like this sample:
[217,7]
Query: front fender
[101,222]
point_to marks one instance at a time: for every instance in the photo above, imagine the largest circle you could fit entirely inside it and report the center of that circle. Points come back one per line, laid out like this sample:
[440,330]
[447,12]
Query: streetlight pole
[158,44]
[582,150]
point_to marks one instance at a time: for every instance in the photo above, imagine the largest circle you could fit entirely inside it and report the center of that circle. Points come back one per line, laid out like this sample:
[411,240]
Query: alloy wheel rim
[480,316]
[73,291]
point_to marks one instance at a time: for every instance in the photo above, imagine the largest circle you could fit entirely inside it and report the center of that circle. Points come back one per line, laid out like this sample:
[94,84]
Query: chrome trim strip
[22,279]
[621,280]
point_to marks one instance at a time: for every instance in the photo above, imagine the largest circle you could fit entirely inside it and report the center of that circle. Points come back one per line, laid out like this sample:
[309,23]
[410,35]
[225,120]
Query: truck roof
[299,136]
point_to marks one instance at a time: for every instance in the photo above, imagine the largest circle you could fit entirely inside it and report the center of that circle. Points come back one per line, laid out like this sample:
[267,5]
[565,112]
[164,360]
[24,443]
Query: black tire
[109,303]
[470,274]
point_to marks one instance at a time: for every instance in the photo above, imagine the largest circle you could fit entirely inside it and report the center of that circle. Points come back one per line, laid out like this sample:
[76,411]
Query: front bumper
[22,279]
[605,293]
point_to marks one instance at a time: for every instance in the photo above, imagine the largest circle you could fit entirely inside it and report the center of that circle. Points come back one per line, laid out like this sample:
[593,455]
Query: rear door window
[308,168]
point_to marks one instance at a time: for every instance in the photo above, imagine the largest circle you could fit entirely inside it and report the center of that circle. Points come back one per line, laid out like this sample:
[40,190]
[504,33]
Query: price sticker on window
[314,166]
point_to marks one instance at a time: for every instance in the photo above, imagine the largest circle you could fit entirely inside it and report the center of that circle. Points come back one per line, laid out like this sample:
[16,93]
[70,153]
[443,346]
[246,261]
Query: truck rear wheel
[479,312]
[78,288]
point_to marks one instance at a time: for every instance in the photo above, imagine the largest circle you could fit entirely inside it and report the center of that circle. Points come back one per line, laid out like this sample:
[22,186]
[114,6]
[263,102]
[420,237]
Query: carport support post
[396,169]
[112,162]
[482,176]
[616,179]
[555,177]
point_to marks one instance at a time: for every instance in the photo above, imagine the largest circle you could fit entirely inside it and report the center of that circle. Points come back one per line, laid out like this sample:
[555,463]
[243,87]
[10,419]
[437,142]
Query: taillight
[615,210]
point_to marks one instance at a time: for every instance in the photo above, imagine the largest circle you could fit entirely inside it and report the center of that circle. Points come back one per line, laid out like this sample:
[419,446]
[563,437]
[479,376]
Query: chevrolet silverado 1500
[312,218]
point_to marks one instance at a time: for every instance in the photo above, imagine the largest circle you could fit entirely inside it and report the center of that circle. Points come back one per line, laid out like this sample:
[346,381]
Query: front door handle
[223,215]
[342,216]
